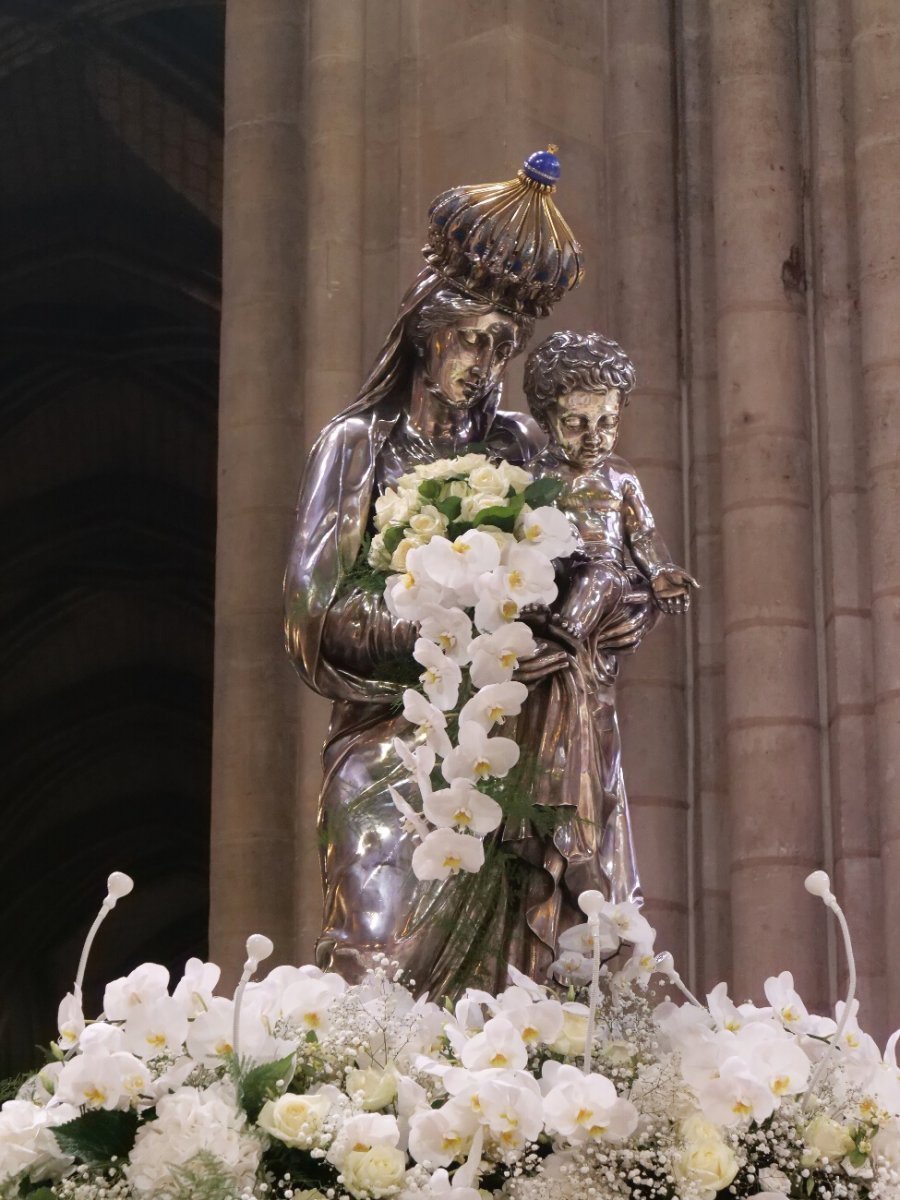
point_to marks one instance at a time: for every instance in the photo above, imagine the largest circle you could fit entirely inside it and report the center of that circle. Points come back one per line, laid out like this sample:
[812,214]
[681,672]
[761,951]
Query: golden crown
[507,242]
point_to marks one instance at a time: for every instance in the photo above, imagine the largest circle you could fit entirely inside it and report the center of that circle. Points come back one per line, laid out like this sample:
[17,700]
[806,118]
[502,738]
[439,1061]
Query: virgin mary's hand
[548,659]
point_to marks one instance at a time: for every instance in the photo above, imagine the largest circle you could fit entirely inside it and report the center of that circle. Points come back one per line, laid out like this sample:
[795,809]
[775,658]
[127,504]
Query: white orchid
[439,1137]
[194,990]
[147,982]
[548,530]
[585,1107]
[444,853]
[499,1045]
[449,628]
[786,1002]
[441,677]
[156,1028]
[511,1112]
[458,564]
[735,1095]
[407,593]
[495,656]
[70,1020]
[103,1081]
[478,756]
[430,722]
[419,762]
[580,938]
[528,576]
[412,821]
[464,807]
[491,705]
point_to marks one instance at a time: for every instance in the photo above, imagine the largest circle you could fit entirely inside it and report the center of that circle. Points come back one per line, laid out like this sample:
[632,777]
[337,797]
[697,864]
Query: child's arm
[671,584]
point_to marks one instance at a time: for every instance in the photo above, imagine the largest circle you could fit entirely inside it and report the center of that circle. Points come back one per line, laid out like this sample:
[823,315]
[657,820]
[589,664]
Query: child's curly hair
[567,361]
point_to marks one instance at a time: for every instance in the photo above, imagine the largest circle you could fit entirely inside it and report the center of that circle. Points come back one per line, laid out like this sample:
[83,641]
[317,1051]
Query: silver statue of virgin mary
[498,256]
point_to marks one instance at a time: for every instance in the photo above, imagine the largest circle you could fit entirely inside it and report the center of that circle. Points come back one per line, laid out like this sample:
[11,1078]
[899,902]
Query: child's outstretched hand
[672,590]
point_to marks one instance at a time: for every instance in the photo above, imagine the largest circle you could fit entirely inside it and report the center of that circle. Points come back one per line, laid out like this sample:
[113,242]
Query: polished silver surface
[435,392]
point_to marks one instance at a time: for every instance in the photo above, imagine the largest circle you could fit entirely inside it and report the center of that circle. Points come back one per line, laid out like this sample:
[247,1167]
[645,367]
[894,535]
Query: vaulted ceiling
[110,183]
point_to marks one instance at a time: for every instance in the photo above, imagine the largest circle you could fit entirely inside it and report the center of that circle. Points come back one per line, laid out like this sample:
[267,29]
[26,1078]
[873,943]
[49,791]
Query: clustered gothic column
[876,128]
[256,697]
[770,638]
[684,136]
[640,124]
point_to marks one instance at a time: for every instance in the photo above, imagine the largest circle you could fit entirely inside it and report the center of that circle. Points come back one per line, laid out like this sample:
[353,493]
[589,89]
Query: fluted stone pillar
[640,140]
[256,697]
[876,124]
[834,296]
[332,339]
[710,898]
[767,529]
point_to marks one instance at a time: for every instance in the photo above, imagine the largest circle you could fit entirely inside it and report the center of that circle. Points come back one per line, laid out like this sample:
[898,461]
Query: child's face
[584,425]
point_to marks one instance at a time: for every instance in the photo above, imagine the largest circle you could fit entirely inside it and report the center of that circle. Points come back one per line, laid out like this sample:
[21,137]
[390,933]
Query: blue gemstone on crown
[542,166]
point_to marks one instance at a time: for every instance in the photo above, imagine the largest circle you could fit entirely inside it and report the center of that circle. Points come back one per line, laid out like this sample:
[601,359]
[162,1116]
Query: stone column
[640,255]
[335,169]
[846,574]
[256,695]
[710,895]
[876,123]
[767,530]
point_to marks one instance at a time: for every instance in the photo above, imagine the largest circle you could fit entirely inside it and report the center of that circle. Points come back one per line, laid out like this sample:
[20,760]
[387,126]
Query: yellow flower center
[533,532]
[462,817]
[530,1034]
[515,579]
[741,1108]
[224,1047]
[452,862]
[94,1095]
[781,1084]
[313,1020]
[508,659]
[498,1060]
[509,609]
[852,1040]
[156,1039]
[409,580]
[482,768]
[495,712]
[432,676]
[461,547]
[789,1014]
[446,641]
[451,1141]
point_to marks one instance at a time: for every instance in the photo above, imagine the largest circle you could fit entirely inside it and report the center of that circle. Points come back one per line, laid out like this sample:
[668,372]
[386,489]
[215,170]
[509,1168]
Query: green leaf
[260,1084]
[430,489]
[42,1193]
[543,491]
[858,1158]
[393,536]
[98,1136]
[450,507]
[504,518]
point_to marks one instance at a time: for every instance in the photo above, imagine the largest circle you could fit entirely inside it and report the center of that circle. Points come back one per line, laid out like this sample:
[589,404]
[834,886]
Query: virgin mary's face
[466,360]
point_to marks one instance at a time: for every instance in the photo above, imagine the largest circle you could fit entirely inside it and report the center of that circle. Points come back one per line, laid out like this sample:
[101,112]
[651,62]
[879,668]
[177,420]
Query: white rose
[428,523]
[571,1040]
[379,1171]
[459,487]
[515,478]
[294,1120]
[470,462]
[394,508]
[827,1138]
[696,1128]
[378,555]
[378,1088]
[488,479]
[473,505]
[398,558]
[710,1164]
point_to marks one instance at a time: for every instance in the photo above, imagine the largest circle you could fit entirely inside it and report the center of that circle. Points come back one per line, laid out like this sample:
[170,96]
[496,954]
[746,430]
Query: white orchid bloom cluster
[465,553]
[366,1093]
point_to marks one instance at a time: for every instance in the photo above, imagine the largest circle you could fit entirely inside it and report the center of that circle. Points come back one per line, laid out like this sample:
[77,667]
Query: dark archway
[111,145]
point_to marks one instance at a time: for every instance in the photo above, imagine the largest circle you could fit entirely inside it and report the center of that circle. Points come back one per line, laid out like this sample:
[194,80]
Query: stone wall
[729,169]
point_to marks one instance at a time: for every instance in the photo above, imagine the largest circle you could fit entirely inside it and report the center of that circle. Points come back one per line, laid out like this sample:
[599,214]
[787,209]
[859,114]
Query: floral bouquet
[465,546]
[304,1087]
